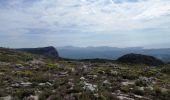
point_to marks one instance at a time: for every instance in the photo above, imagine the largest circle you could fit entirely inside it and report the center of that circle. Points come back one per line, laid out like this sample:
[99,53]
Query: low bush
[137,91]
[140,83]
[21,93]
[125,89]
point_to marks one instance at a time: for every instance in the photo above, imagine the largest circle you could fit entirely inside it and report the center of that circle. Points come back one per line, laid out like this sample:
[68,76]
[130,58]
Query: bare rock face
[140,59]
[46,51]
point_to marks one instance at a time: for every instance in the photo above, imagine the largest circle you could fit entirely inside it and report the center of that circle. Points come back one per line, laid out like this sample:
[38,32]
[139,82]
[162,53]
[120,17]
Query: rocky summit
[47,51]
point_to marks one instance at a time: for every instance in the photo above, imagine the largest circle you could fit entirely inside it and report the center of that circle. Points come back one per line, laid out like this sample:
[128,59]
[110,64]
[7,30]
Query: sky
[115,23]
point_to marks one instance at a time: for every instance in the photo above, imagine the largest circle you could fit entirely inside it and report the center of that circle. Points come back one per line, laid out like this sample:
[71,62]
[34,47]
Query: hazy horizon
[83,47]
[83,23]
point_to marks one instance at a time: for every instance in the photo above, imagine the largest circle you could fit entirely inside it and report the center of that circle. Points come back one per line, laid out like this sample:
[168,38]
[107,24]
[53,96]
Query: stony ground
[29,77]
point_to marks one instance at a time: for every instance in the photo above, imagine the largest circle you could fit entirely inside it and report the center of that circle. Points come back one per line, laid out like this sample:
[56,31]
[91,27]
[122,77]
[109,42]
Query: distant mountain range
[105,52]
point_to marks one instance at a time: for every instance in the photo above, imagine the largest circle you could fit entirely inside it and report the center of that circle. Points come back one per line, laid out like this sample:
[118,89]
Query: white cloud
[156,9]
[100,15]
[83,16]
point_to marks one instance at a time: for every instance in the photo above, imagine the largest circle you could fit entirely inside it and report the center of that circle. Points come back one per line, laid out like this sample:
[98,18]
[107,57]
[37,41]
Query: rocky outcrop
[140,59]
[46,51]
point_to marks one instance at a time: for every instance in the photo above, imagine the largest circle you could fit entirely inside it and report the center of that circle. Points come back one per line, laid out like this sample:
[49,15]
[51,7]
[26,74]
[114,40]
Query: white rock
[72,69]
[37,62]
[63,73]
[84,66]
[164,89]
[4,63]
[90,87]
[48,83]
[114,72]
[106,82]
[82,78]
[118,92]
[15,85]
[6,98]
[26,84]
[41,84]
[138,96]
[94,76]
[149,87]
[96,95]
[19,66]
[34,97]
[128,83]
[141,88]
[125,98]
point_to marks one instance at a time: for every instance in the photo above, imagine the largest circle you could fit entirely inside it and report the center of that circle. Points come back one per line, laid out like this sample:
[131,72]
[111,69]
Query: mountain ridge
[113,53]
[49,51]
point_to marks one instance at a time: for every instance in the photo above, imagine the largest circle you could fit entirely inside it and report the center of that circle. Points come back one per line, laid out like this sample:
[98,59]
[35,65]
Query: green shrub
[2,93]
[166,70]
[129,74]
[51,66]
[85,96]
[24,73]
[137,91]
[105,95]
[157,91]
[45,94]
[21,93]
[77,88]
[39,78]
[125,89]
[55,97]
[140,83]
[150,73]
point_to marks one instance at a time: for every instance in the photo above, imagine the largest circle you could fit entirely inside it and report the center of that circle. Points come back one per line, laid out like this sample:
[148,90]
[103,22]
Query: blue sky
[116,23]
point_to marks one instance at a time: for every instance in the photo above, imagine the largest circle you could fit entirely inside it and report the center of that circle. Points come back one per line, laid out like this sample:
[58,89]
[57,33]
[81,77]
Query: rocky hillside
[140,59]
[47,51]
[25,76]
[12,55]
